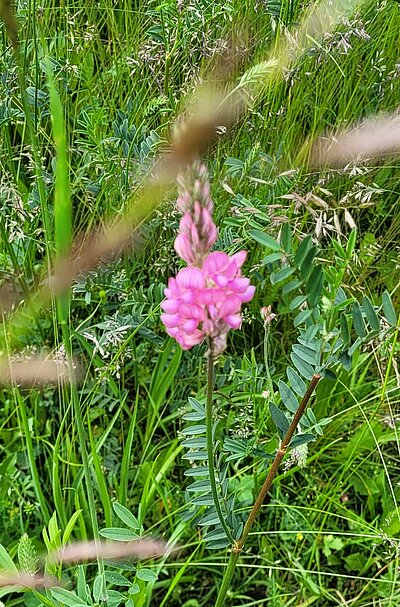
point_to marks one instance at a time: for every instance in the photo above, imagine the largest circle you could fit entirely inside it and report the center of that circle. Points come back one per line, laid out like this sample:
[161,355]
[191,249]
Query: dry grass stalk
[7,15]
[89,551]
[34,371]
[371,139]
[25,580]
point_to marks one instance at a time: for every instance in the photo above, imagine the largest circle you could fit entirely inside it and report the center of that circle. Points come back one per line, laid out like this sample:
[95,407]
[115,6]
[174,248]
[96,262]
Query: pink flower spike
[205,298]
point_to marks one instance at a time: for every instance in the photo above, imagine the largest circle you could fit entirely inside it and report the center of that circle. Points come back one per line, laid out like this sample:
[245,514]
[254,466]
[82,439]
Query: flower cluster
[205,298]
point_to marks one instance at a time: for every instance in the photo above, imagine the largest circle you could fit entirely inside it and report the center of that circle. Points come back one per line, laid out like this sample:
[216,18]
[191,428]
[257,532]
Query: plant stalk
[238,546]
[210,440]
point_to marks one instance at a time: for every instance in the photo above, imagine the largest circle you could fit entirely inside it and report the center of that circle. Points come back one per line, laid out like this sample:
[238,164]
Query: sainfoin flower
[205,298]
[206,301]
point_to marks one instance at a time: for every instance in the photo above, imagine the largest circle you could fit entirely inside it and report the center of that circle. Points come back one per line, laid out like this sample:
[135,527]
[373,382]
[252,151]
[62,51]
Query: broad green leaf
[281,275]
[279,419]
[195,456]
[70,526]
[6,561]
[315,285]
[98,588]
[297,301]
[351,243]
[346,360]
[199,486]
[302,250]
[329,374]
[265,240]
[210,519]
[193,417]
[237,532]
[302,317]
[370,313]
[301,439]
[236,445]
[203,500]
[388,309]
[291,286]
[197,471]
[307,354]
[118,534]
[296,382]
[286,237]
[66,597]
[198,407]
[198,442]
[271,258]
[193,430]
[344,329]
[82,588]
[146,575]
[358,320]
[114,598]
[304,368]
[339,250]
[113,577]
[126,516]
[288,397]
[307,264]
[215,534]
[218,545]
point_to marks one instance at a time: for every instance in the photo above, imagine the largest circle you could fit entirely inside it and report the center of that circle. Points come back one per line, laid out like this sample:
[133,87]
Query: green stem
[210,441]
[280,454]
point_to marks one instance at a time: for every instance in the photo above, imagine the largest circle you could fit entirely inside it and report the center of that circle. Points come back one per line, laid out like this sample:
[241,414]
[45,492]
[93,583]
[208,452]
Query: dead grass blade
[371,139]
[88,551]
[34,372]
[10,23]
[25,580]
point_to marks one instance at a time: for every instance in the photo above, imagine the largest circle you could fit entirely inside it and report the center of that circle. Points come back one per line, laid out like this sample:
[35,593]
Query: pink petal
[172,332]
[190,325]
[239,284]
[194,235]
[173,290]
[221,280]
[213,312]
[190,311]
[170,320]
[239,258]
[190,278]
[185,223]
[248,294]
[170,306]
[183,247]
[193,339]
[229,306]
[211,296]
[187,297]
[215,263]
[233,320]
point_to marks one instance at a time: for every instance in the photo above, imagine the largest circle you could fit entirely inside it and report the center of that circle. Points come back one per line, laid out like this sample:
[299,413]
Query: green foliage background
[123,70]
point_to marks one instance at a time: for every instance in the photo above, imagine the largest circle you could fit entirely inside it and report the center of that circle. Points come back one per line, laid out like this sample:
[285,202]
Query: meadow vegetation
[94,98]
